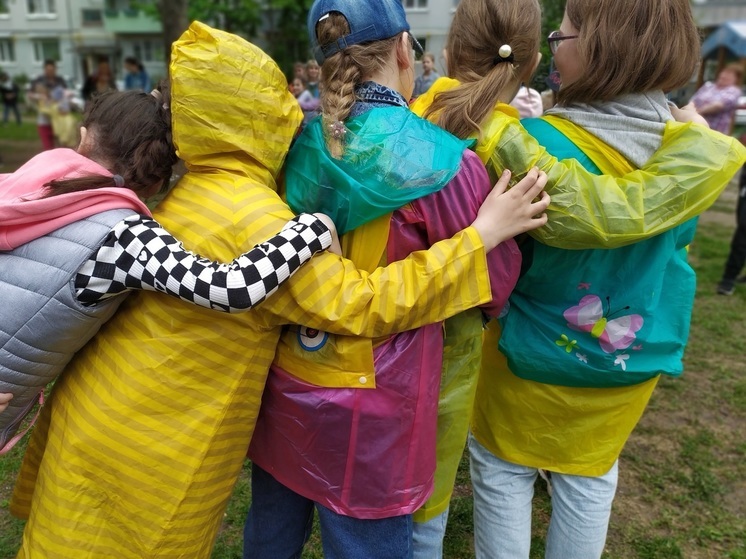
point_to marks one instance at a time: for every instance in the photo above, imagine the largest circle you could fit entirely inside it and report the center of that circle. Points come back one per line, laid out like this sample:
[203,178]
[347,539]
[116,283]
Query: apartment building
[430,20]
[77,34]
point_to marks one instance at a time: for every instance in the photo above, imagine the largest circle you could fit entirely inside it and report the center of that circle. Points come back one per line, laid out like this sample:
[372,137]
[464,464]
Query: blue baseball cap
[369,20]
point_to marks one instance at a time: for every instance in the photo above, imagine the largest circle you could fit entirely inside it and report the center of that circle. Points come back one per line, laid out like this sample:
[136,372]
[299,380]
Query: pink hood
[24,216]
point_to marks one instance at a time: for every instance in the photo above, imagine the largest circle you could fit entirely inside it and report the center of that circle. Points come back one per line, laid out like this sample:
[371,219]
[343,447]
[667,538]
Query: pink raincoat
[371,453]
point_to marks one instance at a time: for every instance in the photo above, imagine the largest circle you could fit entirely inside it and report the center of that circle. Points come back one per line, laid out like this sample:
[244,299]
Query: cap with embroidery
[369,20]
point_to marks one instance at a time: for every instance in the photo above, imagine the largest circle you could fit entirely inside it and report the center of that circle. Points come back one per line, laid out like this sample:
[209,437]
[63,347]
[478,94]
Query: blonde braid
[340,74]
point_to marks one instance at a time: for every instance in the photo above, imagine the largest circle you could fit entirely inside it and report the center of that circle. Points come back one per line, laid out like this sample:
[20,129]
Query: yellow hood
[246,116]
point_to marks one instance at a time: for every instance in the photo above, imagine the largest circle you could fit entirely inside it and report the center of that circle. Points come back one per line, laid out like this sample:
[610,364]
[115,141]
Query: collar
[371,94]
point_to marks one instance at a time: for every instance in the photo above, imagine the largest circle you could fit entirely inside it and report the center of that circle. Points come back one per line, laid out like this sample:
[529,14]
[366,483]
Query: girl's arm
[140,254]
[682,179]
[443,213]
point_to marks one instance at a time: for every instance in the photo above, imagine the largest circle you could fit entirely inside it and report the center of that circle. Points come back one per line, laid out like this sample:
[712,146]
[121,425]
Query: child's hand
[336,248]
[504,215]
[5,398]
[687,113]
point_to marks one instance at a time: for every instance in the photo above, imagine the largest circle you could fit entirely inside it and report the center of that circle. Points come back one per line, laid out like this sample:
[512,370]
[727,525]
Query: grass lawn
[682,488]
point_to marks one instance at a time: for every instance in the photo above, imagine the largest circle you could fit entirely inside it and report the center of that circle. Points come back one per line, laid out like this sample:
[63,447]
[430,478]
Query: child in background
[60,196]
[313,74]
[308,104]
[429,75]
[492,46]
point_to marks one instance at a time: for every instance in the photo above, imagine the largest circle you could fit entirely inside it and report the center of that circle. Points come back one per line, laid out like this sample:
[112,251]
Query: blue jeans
[503,492]
[279,523]
[428,537]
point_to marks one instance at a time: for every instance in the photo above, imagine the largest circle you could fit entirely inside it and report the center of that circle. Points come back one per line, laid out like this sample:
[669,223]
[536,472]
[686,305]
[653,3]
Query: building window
[414,4]
[41,7]
[46,49]
[92,18]
[149,51]
[4,9]
[7,54]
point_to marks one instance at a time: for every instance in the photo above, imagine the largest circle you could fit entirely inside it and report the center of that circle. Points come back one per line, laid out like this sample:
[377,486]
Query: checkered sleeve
[140,254]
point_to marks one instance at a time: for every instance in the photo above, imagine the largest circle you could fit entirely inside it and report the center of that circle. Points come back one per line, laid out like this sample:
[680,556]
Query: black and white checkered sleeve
[140,254]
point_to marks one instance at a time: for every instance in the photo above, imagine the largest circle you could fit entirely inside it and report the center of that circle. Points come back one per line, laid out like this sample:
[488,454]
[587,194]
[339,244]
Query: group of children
[146,431]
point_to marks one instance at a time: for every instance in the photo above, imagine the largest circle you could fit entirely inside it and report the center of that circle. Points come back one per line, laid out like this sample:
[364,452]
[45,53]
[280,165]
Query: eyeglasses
[416,46]
[555,40]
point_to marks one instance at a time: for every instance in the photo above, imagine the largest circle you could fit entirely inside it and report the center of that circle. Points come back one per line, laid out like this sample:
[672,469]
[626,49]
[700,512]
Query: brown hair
[479,29]
[737,69]
[631,46]
[342,71]
[131,137]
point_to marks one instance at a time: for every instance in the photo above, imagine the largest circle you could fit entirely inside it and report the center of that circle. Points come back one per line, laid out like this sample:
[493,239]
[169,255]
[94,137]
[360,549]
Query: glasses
[555,40]
[416,46]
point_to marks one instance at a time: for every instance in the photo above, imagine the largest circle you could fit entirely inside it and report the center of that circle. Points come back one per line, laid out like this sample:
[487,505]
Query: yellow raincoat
[578,202]
[139,447]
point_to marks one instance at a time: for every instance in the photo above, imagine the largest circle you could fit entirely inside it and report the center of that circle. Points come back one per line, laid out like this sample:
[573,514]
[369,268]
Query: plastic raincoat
[574,222]
[371,453]
[139,447]
[571,407]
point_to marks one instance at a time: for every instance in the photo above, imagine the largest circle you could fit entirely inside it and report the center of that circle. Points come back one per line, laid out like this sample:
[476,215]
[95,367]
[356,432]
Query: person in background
[429,75]
[40,88]
[9,92]
[717,101]
[737,255]
[136,76]
[313,73]
[528,101]
[299,70]
[308,103]
[98,82]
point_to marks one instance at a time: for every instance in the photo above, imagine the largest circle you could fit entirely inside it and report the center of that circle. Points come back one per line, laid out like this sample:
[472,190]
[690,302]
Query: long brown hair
[631,46]
[132,139]
[342,71]
[479,29]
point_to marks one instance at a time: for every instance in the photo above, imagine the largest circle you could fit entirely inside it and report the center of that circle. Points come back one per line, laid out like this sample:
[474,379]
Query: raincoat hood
[223,123]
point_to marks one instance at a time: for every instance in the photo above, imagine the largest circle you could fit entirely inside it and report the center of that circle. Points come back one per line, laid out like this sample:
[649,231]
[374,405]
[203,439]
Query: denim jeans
[503,492]
[427,537]
[279,523]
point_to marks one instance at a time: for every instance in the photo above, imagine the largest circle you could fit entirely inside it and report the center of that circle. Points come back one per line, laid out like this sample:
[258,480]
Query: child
[347,425]
[61,196]
[493,46]
[429,75]
[313,73]
[308,104]
[140,445]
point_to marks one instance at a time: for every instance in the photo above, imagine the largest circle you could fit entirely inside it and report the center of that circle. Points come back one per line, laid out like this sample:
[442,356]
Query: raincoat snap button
[363,380]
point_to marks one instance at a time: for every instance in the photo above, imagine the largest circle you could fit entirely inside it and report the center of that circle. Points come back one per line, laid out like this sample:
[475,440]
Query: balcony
[130,21]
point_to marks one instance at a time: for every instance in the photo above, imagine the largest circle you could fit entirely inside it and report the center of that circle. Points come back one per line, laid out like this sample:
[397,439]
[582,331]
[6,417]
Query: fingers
[527,183]
[502,183]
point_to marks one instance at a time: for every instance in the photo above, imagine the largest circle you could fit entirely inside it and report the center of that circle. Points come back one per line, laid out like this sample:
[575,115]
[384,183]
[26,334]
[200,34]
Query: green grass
[25,132]
[681,491]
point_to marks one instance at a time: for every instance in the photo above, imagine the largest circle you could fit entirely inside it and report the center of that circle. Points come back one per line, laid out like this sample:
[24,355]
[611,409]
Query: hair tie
[118,180]
[504,54]
[338,130]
